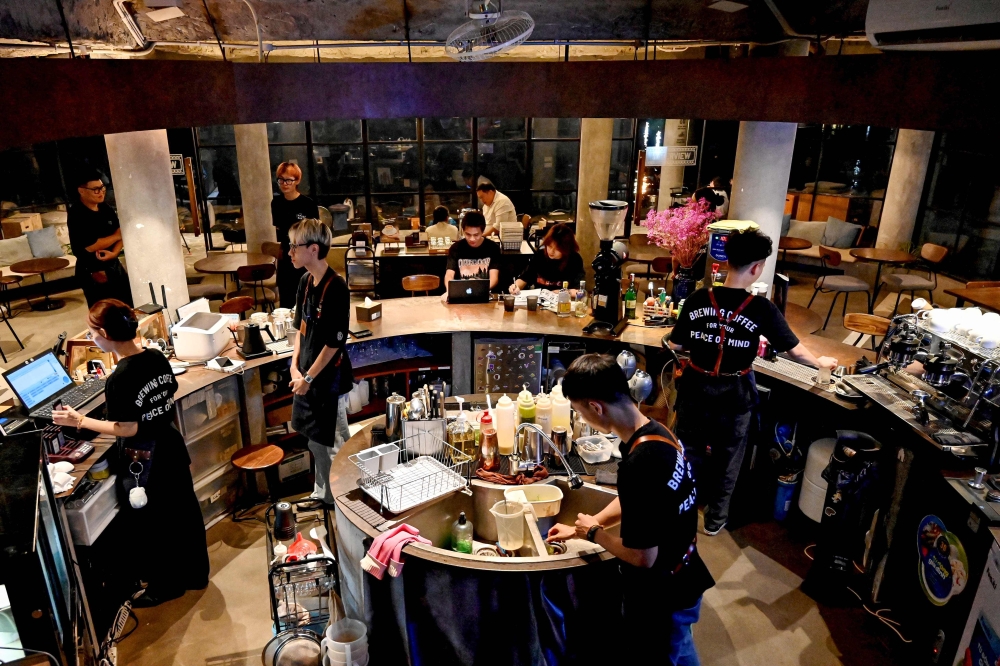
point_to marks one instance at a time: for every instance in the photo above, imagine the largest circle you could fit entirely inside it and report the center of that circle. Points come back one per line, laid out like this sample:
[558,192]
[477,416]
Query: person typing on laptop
[472,257]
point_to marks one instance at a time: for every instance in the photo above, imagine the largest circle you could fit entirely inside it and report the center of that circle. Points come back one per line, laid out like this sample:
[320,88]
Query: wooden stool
[866,324]
[4,281]
[258,458]
[424,283]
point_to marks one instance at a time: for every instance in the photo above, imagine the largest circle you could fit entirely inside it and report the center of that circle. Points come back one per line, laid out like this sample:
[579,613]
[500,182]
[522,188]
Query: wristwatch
[307,378]
[592,532]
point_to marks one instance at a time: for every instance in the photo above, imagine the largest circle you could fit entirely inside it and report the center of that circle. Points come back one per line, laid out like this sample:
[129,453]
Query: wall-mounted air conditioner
[933,25]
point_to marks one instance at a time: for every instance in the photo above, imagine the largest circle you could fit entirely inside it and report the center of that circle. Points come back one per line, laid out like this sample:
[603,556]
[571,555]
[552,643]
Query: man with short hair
[497,208]
[472,257]
[288,208]
[95,236]
[321,368]
[663,577]
[721,327]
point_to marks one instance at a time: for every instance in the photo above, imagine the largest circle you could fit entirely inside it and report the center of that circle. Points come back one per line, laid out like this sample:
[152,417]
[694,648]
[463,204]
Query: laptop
[42,381]
[469,291]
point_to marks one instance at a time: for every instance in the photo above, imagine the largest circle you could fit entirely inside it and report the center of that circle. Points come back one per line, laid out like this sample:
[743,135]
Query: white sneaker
[715,531]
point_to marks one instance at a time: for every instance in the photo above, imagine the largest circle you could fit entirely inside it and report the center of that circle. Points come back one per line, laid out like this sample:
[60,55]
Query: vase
[684,283]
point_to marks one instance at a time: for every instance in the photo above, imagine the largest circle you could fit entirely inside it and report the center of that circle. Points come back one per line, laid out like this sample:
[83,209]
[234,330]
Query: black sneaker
[156,597]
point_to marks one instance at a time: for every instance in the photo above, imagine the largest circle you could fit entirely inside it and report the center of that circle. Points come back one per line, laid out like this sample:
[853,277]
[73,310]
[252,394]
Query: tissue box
[368,313]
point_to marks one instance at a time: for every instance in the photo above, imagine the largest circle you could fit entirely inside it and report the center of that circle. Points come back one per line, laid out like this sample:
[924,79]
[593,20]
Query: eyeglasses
[287,181]
[292,246]
[96,190]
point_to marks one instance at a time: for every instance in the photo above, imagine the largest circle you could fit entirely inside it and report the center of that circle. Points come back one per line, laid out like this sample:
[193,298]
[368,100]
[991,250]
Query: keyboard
[76,396]
[282,346]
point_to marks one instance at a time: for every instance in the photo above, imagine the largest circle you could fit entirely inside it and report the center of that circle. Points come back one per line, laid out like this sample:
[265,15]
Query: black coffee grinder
[608,217]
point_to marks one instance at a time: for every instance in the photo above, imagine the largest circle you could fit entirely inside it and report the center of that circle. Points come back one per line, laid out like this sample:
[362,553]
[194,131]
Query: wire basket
[422,467]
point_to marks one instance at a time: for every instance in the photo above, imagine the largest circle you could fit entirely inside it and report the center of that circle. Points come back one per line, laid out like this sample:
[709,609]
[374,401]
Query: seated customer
[473,257]
[442,226]
[556,262]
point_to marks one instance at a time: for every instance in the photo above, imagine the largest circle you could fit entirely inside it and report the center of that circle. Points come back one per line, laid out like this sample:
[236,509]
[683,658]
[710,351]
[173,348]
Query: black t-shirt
[85,228]
[315,413]
[285,213]
[141,390]
[546,273]
[659,509]
[697,329]
[473,262]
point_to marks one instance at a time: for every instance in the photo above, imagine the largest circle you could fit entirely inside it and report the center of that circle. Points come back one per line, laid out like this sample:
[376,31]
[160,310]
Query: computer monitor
[38,380]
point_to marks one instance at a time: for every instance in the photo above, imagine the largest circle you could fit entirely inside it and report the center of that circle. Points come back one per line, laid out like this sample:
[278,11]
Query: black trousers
[114,284]
[713,423]
[288,282]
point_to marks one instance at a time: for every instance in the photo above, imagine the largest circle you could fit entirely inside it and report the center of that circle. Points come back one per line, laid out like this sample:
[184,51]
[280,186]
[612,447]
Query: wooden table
[802,321]
[786,243]
[988,298]
[40,267]
[881,256]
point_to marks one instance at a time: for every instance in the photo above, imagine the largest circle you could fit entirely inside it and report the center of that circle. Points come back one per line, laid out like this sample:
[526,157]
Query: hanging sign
[176,165]
[681,156]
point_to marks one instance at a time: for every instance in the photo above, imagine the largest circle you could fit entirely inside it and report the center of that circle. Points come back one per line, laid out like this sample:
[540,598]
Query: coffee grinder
[608,217]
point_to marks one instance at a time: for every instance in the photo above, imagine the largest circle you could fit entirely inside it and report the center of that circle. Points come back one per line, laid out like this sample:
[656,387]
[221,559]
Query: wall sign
[176,165]
[681,156]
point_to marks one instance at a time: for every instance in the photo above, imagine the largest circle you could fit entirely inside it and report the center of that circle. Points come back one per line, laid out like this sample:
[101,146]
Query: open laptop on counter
[42,381]
[469,291]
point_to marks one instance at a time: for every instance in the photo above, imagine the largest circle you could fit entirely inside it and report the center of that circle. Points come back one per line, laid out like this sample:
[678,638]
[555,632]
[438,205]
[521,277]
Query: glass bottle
[461,436]
[564,307]
[461,535]
[630,297]
[581,300]
[489,453]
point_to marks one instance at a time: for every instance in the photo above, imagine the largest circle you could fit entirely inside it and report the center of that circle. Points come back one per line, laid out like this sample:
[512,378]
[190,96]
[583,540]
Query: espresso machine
[608,217]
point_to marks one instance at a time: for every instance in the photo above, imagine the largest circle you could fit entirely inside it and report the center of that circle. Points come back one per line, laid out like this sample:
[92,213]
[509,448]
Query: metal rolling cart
[301,590]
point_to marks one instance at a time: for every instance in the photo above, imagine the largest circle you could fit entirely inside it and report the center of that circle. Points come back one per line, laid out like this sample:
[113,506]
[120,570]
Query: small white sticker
[215,496]
[376,316]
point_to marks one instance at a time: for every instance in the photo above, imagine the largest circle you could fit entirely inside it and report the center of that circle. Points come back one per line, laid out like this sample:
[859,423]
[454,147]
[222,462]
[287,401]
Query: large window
[220,174]
[961,205]
[840,171]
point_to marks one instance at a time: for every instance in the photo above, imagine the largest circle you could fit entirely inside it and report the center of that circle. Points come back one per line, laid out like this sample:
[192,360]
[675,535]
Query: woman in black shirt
[286,209]
[163,536]
[556,262]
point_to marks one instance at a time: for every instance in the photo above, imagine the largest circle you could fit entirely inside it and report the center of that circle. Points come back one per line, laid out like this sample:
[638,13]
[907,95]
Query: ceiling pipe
[260,44]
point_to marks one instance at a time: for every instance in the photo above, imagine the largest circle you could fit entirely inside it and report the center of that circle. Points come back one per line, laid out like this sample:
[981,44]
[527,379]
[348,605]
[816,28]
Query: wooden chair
[982,284]
[421,282]
[866,324]
[5,282]
[272,249]
[258,277]
[931,256]
[239,305]
[663,265]
[6,320]
[837,284]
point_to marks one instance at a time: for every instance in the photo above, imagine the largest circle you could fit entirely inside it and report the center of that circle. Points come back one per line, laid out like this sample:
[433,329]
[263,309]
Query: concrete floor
[755,615]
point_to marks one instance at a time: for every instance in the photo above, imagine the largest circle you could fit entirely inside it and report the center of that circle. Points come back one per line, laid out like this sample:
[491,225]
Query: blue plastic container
[783,498]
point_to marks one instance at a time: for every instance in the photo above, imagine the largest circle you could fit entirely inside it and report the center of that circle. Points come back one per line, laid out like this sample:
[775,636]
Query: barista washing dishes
[163,541]
[321,368]
[663,577]
[721,327]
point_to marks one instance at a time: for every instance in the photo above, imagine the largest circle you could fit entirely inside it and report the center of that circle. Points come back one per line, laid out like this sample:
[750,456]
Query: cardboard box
[366,313]
[20,223]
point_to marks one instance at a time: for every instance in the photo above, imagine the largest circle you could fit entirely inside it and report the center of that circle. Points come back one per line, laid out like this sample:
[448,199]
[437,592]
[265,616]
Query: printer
[201,336]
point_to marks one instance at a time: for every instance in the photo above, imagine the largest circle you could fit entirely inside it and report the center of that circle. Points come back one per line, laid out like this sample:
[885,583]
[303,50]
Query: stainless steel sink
[435,520]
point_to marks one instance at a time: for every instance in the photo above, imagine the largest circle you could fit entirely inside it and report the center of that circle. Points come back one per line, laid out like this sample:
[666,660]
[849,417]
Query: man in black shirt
[288,208]
[662,574]
[96,238]
[321,368]
[472,257]
[721,329]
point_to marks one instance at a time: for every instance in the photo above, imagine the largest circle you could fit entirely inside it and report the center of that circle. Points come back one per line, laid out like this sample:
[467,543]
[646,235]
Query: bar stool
[866,324]
[250,460]
[8,280]
[421,282]
[837,284]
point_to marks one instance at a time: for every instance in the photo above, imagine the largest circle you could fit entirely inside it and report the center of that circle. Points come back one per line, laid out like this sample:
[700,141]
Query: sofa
[44,242]
[834,233]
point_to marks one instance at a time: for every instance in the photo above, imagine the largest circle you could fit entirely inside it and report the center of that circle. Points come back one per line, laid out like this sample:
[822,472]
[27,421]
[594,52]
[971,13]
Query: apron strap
[722,326]
[319,313]
[672,441]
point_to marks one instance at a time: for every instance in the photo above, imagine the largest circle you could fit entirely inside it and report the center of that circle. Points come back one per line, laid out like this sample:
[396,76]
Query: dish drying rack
[423,468]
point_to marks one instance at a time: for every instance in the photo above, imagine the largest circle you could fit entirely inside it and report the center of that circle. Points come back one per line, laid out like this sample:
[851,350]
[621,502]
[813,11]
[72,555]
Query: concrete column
[592,183]
[675,133]
[760,179]
[147,208]
[254,162]
[905,189]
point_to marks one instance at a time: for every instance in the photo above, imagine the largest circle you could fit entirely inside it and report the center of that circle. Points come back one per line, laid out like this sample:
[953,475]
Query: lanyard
[319,307]
[722,336]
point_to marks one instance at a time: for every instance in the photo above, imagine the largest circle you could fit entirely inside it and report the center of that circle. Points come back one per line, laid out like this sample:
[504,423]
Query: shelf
[277,400]
[373,408]
[399,366]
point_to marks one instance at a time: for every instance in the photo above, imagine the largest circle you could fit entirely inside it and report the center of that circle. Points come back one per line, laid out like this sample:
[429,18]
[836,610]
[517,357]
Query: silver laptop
[42,381]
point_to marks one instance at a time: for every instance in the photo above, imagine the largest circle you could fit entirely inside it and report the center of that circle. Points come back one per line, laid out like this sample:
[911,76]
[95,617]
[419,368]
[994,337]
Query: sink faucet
[575,482]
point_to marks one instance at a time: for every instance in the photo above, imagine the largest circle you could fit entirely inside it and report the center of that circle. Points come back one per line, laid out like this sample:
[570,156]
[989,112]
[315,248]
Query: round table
[881,256]
[786,243]
[227,263]
[40,267]
[802,321]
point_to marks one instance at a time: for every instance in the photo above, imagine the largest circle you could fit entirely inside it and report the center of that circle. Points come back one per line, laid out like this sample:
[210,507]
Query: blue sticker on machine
[717,245]
[943,565]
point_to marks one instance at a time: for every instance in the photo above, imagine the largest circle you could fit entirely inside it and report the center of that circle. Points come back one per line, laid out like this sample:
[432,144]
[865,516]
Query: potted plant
[683,231]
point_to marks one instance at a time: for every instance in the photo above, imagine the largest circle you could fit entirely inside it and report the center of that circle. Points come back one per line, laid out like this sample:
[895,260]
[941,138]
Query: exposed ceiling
[97,22]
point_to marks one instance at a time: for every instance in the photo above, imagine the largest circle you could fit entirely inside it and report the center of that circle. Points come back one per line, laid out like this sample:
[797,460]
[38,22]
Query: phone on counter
[363,333]
[223,361]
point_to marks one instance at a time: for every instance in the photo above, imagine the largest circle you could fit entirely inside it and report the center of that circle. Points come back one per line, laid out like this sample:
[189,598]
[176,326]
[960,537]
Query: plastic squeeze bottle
[560,409]
[525,406]
[503,414]
[543,413]
[461,535]
[489,458]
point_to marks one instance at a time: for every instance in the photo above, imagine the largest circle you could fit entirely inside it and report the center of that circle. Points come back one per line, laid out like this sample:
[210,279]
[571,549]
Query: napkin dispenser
[201,336]
[368,311]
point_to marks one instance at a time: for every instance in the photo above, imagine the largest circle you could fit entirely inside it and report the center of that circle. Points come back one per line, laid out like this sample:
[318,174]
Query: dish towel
[377,559]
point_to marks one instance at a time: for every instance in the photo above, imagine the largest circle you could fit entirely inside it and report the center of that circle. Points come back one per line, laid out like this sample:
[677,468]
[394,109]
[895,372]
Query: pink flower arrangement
[683,231]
